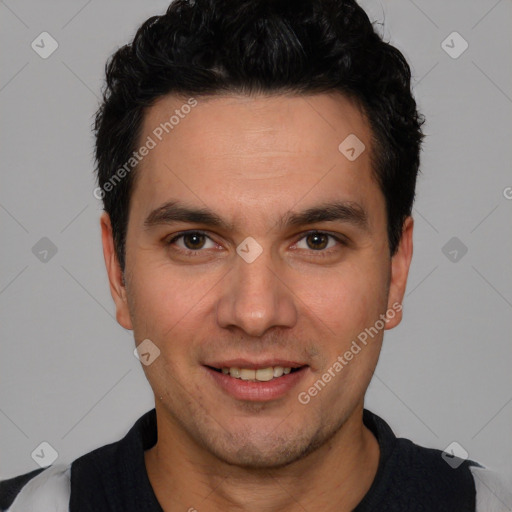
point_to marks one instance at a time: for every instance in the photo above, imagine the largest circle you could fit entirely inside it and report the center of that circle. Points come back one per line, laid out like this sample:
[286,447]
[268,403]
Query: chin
[264,450]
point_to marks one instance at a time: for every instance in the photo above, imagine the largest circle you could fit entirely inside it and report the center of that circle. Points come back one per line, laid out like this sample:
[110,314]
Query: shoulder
[493,491]
[47,489]
[105,469]
[51,489]
[463,483]
[438,477]
[414,477]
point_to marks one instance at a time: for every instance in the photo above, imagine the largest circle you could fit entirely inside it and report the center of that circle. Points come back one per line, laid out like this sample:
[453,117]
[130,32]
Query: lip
[254,365]
[257,391]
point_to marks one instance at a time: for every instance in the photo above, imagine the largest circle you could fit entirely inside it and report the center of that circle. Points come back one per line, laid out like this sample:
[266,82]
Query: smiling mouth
[257,375]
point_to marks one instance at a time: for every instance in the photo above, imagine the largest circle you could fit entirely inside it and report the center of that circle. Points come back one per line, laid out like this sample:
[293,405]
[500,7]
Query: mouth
[262,382]
[257,374]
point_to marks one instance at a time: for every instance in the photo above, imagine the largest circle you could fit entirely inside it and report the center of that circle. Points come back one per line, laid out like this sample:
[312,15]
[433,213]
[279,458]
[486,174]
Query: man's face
[210,300]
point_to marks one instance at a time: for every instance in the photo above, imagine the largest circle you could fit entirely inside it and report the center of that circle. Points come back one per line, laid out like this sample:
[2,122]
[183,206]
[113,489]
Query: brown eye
[317,241]
[191,241]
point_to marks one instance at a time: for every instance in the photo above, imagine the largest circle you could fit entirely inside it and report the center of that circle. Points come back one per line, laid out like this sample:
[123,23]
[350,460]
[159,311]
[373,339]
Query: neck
[335,477]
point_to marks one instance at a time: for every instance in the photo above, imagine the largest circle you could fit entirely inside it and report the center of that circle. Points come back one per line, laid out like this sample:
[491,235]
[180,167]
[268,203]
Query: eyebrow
[342,211]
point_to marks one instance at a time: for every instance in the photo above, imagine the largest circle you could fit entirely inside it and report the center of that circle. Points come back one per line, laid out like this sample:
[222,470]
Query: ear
[400,263]
[115,275]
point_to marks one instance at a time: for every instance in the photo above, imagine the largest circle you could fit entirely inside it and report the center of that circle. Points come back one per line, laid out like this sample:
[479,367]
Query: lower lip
[257,391]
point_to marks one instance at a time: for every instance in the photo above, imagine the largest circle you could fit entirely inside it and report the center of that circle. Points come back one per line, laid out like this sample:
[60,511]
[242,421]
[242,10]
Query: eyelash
[321,252]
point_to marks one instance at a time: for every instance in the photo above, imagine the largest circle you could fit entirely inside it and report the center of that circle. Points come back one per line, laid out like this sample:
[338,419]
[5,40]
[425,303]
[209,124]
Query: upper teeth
[262,374]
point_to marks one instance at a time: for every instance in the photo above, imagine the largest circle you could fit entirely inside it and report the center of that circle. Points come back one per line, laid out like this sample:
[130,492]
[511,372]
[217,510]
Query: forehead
[236,152]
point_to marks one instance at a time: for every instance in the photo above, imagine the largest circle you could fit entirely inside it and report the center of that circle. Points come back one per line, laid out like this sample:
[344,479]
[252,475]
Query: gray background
[67,370]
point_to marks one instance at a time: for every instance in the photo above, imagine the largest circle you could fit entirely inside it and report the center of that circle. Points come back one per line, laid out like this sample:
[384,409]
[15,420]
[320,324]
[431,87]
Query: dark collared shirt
[113,478]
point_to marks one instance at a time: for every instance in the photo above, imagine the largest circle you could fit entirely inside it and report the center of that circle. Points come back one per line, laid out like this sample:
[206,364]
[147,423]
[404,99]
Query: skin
[252,160]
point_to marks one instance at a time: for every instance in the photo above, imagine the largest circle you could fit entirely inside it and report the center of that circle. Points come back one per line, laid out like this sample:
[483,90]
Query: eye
[191,241]
[319,241]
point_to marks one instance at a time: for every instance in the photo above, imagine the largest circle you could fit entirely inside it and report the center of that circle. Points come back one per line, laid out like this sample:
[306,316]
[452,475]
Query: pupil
[195,236]
[316,237]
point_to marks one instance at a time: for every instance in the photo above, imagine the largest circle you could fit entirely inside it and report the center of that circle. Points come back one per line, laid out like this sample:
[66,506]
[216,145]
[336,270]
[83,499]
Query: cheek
[163,297]
[346,298]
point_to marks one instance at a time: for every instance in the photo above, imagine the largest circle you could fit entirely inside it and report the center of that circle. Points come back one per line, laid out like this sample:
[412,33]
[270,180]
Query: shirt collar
[117,472]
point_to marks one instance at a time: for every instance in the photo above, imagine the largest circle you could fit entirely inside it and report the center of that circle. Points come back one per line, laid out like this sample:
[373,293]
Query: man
[257,163]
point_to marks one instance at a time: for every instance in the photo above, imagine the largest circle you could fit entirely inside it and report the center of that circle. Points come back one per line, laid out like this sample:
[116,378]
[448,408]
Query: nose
[256,298]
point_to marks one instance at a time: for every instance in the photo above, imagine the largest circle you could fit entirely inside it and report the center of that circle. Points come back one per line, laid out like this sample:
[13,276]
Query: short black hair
[213,47]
